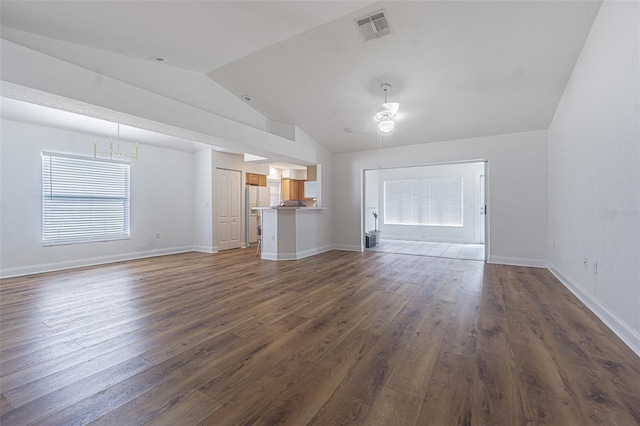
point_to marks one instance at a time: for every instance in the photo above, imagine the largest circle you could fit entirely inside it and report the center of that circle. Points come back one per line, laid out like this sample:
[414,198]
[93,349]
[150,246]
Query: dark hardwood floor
[339,338]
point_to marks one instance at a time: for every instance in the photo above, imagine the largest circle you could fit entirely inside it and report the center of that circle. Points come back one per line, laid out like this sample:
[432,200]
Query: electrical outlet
[554,245]
[595,268]
[586,262]
[157,235]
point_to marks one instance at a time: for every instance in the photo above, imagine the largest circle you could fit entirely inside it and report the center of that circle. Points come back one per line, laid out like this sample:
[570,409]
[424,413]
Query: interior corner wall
[161,202]
[594,173]
[516,196]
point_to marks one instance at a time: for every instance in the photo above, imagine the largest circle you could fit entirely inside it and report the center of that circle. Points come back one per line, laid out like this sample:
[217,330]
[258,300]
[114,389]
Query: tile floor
[425,248]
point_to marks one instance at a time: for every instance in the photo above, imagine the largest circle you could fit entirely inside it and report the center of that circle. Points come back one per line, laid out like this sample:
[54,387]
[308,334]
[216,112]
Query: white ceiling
[458,69]
[197,35]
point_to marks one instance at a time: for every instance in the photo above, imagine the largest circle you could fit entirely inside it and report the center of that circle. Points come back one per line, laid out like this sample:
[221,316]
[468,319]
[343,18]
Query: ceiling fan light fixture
[388,108]
[386,112]
[386,124]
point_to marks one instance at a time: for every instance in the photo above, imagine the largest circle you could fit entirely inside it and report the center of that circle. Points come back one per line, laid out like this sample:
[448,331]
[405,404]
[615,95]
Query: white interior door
[229,206]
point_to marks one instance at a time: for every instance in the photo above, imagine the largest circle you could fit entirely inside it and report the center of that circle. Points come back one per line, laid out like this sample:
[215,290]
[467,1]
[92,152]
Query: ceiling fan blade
[392,107]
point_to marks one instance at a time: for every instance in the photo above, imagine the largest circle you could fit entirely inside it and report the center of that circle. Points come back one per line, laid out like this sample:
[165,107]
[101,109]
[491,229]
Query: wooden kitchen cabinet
[295,191]
[312,173]
[256,179]
[292,189]
[252,179]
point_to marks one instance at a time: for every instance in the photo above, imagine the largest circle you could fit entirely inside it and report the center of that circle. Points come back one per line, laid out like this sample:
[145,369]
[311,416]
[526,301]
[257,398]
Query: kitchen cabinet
[256,179]
[292,189]
[295,191]
[312,173]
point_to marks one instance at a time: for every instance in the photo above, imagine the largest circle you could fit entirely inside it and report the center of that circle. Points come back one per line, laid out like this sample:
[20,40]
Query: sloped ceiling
[458,69]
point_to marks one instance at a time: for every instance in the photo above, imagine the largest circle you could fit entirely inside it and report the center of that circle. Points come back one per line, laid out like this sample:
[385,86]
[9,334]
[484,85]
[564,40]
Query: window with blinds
[432,202]
[83,200]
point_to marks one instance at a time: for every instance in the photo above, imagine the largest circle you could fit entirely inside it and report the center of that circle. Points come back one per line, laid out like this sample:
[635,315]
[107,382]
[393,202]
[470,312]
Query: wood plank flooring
[336,339]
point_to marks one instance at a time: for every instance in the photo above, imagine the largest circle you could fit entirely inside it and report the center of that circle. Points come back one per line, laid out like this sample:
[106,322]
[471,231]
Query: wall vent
[373,26]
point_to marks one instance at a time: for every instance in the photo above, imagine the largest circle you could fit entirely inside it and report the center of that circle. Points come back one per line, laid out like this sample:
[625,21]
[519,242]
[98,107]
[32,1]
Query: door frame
[239,204]
[481,205]
[487,195]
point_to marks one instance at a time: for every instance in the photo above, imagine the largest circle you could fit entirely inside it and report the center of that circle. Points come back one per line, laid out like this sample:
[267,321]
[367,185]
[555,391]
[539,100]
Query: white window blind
[83,200]
[432,201]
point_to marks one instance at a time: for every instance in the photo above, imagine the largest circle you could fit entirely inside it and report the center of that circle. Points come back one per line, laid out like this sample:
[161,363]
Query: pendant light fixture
[114,149]
[386,113]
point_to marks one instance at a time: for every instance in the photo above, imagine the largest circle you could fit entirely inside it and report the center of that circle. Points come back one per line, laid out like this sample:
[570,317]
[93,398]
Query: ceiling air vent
[373,26]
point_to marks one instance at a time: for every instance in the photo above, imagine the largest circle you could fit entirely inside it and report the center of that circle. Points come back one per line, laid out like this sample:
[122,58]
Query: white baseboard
[313,251]
[287,256]
[205,249]
[269,256]
[517,261]
[346,247]
[628,335]
[295,256]
[79,263]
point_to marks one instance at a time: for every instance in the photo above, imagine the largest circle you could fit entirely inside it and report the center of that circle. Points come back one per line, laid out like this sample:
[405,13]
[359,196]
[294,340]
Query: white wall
[203,201]
[594,173]
[161,202]
[465,234]
[516,196]
[313,152]
[372,200]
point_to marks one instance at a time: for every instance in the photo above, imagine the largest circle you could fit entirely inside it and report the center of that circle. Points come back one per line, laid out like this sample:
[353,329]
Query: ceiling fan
[386,113]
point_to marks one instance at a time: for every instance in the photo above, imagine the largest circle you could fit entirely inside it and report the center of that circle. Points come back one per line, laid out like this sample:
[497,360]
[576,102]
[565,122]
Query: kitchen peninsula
[290,233]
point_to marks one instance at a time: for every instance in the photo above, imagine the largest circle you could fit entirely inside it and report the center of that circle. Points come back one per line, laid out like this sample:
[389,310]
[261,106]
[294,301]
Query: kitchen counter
[290,233]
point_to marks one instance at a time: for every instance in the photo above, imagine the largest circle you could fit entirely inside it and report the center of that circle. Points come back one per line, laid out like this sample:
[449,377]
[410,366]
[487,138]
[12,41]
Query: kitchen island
[290,233]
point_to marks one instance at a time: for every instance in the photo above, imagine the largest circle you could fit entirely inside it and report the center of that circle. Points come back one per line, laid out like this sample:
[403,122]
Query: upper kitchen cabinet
[312,173]
[256,179]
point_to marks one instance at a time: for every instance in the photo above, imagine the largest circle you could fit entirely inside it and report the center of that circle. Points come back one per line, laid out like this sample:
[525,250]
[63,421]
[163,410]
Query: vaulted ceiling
[458,69]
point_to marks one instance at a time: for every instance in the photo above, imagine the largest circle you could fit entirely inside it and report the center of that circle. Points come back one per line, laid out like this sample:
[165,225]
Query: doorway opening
[431,210]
